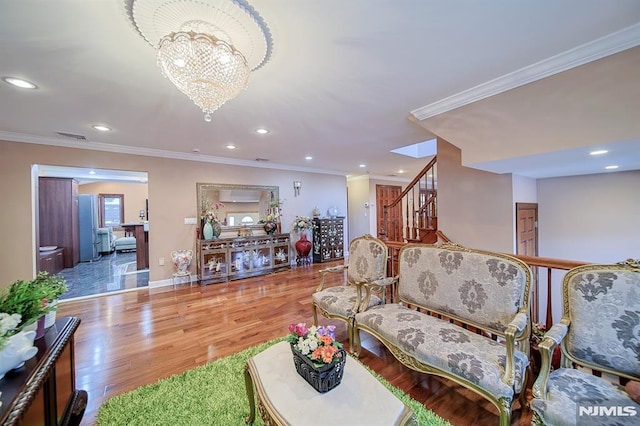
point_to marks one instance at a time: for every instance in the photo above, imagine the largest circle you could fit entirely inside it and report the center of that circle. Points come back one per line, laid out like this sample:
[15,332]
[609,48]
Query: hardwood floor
[131,339]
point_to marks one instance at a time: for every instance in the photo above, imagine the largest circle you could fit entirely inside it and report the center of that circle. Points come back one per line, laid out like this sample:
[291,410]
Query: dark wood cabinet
[328,239]
[58,216]
[52,261]
[43,391]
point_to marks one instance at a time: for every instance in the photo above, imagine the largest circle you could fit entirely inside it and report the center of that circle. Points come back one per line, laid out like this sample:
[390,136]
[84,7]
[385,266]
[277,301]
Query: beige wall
[172,197]
[592,218]
[475,208]
[359,223]
[362,189]
[135,196]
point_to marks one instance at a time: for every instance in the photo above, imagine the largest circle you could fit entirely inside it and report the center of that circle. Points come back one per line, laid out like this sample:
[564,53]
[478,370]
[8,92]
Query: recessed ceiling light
[611,167]
[308,157]
[598,152]
[231,146]
[18,82]
[101,128]
[92,172]
[262,131]
[195,151]
[363,165]
[400,171]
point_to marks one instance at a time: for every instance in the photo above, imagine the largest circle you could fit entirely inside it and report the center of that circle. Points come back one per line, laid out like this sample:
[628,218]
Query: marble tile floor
[111,273]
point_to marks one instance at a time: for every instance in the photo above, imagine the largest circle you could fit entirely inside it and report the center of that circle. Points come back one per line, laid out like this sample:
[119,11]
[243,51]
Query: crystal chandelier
[206,48]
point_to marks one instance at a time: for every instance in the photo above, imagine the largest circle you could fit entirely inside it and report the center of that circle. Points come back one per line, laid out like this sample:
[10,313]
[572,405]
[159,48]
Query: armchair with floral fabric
[599,331]
[365,285]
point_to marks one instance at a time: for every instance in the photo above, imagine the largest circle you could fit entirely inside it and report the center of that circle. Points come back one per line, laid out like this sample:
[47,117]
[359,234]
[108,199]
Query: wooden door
[385,195]
[527,244]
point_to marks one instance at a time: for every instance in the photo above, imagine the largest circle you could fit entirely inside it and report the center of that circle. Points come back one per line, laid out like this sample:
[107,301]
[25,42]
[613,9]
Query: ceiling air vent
[72,136]
[262,159]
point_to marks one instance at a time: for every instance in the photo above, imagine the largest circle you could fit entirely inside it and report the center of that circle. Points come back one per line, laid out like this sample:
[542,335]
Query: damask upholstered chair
[599,330]
[365,284]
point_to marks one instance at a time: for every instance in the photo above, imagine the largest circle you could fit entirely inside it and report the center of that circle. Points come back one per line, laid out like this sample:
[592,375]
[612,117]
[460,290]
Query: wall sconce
[296,187]
[141,214]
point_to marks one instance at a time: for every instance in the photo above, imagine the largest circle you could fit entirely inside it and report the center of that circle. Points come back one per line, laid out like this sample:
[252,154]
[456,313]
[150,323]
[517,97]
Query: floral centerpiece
[211,227]
[210,212]
[303,223]
[316,343]
[318,358]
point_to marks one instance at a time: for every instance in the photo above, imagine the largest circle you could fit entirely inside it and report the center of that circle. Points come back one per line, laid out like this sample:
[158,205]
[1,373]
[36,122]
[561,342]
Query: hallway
[111,273]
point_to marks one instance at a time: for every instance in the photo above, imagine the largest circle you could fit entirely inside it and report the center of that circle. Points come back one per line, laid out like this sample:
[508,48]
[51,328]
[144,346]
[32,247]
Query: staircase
[413,216]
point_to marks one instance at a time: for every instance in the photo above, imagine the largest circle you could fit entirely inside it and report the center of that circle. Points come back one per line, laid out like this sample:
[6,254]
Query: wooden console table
[43,391]
[225,259]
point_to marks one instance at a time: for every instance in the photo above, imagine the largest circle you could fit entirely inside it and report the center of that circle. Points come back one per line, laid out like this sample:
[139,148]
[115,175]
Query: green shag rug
[213,394]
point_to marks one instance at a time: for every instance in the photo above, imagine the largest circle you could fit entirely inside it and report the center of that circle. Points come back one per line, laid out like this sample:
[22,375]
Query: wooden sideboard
[43,391]
[328,239]
[225,259]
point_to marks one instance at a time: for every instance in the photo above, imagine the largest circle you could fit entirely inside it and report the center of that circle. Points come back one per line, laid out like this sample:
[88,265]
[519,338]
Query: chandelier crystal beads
[206,48]
[206,69]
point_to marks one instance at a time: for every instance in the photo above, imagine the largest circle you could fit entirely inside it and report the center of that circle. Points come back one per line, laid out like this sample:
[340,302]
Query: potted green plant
[55,286]
[32,299]
[22,304]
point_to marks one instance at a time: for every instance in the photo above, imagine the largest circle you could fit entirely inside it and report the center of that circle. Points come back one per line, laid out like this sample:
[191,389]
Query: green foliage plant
[30,299]
[55,285]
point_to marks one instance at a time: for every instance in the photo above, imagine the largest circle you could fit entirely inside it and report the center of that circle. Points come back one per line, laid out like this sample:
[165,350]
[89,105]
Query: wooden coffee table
[285,398]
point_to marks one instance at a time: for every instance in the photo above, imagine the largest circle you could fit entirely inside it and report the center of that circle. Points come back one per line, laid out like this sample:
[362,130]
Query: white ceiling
[342,83]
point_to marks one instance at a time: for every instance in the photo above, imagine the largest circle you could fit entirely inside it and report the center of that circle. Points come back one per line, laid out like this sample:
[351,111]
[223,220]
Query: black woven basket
[323,378]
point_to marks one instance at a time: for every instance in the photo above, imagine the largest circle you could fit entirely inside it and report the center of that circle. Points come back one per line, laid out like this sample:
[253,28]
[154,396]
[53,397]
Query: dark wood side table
[43,391]
[141,233]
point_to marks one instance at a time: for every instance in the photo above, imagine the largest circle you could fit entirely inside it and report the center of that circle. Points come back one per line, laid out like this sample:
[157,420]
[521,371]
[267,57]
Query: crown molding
[160,153]
[618,41]
[366,176]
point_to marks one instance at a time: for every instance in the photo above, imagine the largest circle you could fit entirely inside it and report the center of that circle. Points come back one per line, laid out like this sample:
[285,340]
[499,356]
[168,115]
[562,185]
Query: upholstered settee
[599,332]
[453,303]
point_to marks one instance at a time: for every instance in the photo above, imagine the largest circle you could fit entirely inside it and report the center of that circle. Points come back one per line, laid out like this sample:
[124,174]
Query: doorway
[385,195]
[109,267]
[527,244]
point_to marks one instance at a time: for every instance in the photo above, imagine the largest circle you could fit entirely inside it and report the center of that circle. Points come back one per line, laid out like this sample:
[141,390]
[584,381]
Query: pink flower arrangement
[316,343]
[210,213]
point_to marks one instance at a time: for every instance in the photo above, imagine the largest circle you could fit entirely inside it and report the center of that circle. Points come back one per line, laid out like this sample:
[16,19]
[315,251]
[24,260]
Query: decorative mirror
[236,205]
